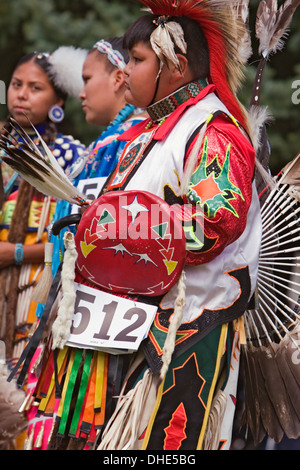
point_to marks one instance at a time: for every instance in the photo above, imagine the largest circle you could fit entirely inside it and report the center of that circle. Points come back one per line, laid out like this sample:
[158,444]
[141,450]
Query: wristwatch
[19,253]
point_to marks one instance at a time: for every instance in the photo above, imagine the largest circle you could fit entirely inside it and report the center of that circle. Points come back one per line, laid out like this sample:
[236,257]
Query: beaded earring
[56,113]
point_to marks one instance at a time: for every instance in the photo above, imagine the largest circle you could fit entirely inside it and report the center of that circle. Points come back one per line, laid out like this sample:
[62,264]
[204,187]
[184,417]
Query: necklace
[88,161]
[163,108]
[122,116]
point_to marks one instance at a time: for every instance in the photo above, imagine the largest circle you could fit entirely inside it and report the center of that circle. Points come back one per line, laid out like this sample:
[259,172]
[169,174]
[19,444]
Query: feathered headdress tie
[163,39]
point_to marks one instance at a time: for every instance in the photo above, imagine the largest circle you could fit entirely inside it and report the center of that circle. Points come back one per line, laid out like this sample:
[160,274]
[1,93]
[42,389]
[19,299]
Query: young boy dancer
[193,150]
[194,154]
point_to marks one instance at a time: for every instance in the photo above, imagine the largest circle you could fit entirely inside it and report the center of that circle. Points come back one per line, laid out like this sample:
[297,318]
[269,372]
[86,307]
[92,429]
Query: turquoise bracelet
[19,253]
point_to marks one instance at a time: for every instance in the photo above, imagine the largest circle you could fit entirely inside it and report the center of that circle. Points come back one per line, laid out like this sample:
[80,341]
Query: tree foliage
[28,25]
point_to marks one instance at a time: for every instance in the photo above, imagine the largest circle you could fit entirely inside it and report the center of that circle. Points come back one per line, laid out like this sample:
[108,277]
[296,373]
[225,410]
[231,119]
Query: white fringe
[62,324]
[42,289]
[175,322]
[258,116]
[214,424]
[122,430]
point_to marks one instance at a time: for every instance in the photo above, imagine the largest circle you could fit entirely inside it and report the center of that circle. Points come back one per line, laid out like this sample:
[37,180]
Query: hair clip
[161,20]
[42,55]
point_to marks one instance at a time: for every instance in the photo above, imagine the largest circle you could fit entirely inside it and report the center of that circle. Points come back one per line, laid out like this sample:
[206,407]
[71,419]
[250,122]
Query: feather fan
[37,165]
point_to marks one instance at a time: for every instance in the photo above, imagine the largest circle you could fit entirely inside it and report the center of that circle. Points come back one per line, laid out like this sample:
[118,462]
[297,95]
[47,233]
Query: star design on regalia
[135,208]
[213,191]
[144,257]
[120,248]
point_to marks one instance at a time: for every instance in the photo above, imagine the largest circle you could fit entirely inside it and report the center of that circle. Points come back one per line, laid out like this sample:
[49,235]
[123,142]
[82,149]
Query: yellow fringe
[222,342]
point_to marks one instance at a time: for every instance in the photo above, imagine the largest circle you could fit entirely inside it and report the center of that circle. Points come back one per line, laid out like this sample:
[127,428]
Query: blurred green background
[44,25]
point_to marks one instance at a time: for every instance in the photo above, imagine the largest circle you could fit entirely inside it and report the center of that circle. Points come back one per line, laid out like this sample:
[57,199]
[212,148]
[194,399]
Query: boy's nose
[126,70]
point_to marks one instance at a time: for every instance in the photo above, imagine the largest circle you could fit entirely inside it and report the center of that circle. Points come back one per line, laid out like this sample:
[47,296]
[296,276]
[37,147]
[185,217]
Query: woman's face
[30,93]
[141,76]
[98,96]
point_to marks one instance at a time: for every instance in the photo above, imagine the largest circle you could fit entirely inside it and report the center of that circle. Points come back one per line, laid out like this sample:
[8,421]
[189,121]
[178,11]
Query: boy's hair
[197,48]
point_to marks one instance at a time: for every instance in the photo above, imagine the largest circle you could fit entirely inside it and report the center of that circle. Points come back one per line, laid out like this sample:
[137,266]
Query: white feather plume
[12,422]
[272,24]
[258,117]
[38,166]
[240,13]
[66,69]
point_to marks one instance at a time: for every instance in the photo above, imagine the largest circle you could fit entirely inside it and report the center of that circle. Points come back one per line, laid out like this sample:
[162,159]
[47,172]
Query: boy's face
[141,74]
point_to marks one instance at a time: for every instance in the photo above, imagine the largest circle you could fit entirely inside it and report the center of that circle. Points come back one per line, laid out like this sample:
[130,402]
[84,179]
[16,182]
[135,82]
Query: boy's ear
[180,73]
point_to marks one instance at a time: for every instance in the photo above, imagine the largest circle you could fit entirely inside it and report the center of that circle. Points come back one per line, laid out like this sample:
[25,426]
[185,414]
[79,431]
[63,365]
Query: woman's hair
[42,60]
[116,44]
[197,48]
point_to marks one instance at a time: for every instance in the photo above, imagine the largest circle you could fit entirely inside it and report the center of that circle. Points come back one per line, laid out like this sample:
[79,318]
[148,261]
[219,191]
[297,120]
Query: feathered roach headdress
[216,19]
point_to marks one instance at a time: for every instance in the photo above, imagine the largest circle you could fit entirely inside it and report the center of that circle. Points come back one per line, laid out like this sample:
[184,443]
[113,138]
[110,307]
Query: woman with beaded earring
[37,92]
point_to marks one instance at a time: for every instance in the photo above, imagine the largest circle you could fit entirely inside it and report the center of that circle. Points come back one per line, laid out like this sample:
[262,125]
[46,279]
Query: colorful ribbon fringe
[82,376]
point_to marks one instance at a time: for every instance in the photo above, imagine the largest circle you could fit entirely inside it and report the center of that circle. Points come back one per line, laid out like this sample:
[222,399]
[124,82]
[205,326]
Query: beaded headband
[114,56]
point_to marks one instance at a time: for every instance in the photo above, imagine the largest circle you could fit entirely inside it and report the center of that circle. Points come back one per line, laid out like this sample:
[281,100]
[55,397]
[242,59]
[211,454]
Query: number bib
[90,188]
[106,322]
